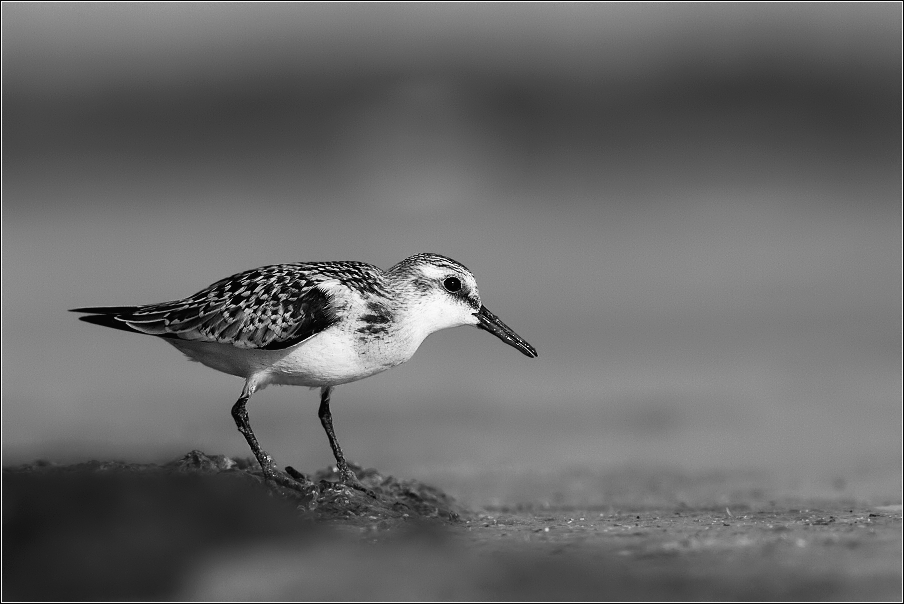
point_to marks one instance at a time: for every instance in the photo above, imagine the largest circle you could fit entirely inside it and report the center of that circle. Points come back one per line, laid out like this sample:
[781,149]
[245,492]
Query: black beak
[492,324]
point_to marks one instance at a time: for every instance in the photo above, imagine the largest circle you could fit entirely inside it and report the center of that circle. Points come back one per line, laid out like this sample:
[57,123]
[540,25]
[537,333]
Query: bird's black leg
[326,418]
[240,415]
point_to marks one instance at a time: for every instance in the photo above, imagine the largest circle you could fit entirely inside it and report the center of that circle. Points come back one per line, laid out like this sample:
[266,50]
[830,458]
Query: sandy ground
[207,528]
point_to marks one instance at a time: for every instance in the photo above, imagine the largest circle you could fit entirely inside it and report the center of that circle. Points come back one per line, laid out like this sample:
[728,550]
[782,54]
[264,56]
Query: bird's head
[442,293]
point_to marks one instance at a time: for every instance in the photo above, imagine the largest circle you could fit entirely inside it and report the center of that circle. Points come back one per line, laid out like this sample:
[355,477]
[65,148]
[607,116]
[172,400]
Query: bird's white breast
[334,356]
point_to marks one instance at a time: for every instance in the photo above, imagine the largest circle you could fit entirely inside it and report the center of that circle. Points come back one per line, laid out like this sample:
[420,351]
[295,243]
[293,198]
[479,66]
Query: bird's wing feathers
[273,307]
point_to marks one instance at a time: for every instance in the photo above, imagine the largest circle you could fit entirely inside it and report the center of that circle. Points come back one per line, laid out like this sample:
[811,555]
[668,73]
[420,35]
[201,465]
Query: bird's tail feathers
[106,310]
[107,316]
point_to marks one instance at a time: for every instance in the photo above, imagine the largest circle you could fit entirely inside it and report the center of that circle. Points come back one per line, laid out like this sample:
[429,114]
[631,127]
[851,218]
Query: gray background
[692,211]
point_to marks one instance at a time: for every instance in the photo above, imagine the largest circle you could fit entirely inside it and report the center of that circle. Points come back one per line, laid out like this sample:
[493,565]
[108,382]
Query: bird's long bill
[492,324]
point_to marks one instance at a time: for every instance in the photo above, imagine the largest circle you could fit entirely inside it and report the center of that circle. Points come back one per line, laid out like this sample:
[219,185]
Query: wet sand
[207,528]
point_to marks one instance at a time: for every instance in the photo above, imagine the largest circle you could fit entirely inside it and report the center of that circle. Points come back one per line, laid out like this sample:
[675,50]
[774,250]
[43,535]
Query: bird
[314,324]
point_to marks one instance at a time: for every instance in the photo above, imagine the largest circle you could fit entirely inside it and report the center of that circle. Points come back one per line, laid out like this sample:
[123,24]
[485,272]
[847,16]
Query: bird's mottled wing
[272,307]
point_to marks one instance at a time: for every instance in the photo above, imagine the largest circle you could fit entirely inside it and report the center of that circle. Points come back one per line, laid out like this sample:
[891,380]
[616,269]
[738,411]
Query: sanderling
[317,324]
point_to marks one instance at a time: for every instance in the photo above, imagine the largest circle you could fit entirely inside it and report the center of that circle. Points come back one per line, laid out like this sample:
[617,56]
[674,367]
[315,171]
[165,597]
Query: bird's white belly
[329,358]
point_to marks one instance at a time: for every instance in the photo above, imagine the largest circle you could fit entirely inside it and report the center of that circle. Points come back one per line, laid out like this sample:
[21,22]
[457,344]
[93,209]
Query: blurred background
[692,211]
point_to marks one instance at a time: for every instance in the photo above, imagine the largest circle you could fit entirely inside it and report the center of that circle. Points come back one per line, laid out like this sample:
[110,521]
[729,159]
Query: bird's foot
[298,476]
[348,478]
[290,479]
[360,487]
[293,483]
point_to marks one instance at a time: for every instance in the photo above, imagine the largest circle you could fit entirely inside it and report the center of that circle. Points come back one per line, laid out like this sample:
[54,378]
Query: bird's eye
[452,284]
